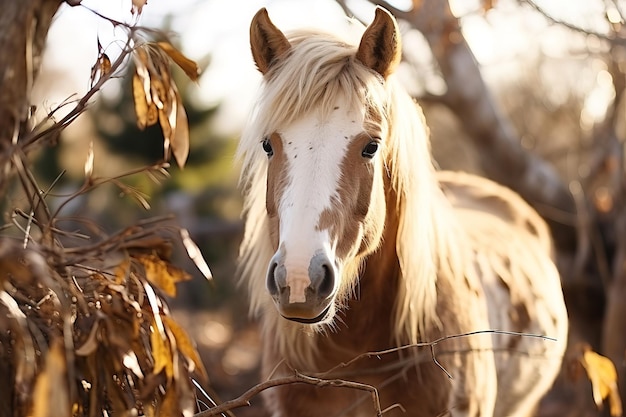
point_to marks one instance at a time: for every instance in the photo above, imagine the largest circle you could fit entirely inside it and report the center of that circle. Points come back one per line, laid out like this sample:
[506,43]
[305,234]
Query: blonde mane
[318,69]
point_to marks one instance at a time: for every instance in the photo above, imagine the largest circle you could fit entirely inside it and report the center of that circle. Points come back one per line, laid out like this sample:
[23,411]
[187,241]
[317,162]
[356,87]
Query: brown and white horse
[354,243]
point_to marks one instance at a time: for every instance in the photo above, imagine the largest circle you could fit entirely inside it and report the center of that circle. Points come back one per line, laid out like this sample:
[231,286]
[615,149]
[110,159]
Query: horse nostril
[327,283]
[272,287]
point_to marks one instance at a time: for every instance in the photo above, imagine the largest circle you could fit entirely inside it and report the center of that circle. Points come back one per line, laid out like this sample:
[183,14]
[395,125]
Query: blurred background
[551,72]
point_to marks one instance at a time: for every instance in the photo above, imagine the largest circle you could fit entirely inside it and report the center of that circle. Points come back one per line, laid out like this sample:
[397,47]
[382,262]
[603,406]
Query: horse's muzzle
[302,294]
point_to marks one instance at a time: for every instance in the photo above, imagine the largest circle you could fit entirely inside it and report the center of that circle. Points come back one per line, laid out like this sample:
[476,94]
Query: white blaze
[314,151]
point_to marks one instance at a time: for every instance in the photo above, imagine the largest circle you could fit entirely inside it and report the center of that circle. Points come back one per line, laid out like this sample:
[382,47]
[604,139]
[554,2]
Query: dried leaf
[143,110]
[169,403]
[91,344]
[121,271]
[101,68]
[189,66]
[159,94]
[166,128]
[13,263]
[137,6]
[116,397]
[51,397]
[488,5]
[603,376]
[145,107]
[162,274]
[180,137]
[149,410]
[105,65]
[89,161]
[153,114]
[155,307]
[161,353]
[195,254]
[144,67]
[24,359]
[185,345]
[131,362]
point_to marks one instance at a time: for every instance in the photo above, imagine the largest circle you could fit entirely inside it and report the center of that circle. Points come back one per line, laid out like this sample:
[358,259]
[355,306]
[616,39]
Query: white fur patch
[314,152]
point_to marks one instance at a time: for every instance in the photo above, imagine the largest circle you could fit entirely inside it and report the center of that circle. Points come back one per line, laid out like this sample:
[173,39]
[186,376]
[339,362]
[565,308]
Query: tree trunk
[24,25]
[502,156]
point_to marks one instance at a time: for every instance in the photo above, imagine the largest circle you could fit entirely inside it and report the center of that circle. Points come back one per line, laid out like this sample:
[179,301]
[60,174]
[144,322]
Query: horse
[357,252]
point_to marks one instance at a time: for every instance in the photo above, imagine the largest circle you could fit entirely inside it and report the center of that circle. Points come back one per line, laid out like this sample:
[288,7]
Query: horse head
[325,196]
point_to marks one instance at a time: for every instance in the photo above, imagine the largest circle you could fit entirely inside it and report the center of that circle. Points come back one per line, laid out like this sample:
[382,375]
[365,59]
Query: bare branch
[560,22]
[81,105]
[321,380]
[431,345]
[244,399]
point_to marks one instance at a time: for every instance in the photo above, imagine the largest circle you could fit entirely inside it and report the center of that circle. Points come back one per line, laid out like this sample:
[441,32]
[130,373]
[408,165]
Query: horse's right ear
[267,42]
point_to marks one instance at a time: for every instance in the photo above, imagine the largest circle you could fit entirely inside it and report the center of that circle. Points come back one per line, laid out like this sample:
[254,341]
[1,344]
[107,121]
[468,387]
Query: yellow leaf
[603,376]
[137,6]
[162,274]
[144,111]
[180,137]
[51,397]
[190,67]
[185,345]
[102,66]
[161,353]
[121,271]
[159,95]
[145,106]
[149,410]
[105,65]
[166,128]
[168,406]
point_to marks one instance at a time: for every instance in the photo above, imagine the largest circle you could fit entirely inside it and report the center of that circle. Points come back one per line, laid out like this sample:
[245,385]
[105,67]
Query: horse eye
[369,150]
[267,147]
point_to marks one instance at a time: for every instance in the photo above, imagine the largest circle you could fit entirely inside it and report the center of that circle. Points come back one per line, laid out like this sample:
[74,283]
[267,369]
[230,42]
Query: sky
[218,28]
[500,40]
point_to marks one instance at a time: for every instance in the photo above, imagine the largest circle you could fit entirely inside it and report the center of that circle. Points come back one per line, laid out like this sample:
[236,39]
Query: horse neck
[369,316]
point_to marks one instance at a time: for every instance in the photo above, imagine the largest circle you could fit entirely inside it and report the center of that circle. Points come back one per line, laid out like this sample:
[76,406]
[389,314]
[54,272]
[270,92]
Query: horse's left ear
[266,41]
[381,48]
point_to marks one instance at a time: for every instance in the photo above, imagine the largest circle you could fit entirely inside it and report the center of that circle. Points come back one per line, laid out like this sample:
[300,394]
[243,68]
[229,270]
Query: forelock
[319,71]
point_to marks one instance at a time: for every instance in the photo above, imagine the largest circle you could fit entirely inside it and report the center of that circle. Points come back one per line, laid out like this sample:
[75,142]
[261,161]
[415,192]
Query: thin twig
[244,399]
[431,345]
[91,183]
[321,381]
[81,105]
[571,26]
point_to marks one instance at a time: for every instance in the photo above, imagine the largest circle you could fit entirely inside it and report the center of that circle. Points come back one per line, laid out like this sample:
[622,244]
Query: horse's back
[475,194]
[511,251]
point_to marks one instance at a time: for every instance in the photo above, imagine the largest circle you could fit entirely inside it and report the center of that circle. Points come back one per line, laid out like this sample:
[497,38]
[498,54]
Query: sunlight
[501,40]
[597,101]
